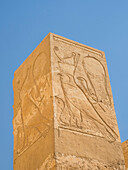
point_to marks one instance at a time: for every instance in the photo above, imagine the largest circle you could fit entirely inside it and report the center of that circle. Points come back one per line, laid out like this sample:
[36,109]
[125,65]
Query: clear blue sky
[102,24]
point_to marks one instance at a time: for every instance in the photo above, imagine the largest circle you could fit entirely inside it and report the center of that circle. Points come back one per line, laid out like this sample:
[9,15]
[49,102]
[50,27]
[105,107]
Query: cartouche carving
[85,100]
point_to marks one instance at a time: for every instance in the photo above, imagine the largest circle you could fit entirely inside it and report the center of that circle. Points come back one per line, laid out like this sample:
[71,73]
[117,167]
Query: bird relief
[85,100]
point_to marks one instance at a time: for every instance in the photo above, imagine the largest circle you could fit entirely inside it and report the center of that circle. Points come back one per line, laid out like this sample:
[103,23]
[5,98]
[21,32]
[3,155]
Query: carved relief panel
[84,101]
[31,121]
[33,110]
[84,117]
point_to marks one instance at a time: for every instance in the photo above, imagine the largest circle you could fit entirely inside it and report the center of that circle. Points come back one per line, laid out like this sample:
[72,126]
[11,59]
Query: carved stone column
[64,116]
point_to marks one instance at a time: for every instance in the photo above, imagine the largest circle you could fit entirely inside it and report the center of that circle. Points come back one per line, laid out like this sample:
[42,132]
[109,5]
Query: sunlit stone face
[64,116]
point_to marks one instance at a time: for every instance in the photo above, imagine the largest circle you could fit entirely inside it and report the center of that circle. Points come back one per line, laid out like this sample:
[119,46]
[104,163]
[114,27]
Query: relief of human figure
[86,98]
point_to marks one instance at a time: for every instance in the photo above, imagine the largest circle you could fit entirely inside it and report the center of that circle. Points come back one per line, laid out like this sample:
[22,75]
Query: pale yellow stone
[64,116]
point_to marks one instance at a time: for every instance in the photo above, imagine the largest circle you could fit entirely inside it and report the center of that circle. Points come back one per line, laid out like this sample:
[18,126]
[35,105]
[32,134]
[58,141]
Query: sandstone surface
[64,116]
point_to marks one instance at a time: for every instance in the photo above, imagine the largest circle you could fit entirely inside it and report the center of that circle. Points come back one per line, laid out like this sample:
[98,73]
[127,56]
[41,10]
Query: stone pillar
[64,116]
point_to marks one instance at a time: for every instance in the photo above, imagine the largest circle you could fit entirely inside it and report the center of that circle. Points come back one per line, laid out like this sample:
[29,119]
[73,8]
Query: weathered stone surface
[64,115]
[125,152]
[33,111]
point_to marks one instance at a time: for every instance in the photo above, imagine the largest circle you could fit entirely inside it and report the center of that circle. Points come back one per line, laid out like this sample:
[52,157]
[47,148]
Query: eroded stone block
[64,115]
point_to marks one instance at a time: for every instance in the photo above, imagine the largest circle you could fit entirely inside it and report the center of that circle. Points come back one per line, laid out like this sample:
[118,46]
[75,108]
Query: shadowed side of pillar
[33,112]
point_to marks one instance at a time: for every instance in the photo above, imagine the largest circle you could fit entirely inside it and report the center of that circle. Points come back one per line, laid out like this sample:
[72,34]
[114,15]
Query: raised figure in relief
[85,98]
[34,120]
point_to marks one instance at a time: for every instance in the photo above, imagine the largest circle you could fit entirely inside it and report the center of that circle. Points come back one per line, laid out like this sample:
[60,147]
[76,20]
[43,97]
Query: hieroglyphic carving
[64,116]
[85,101]
[31,121]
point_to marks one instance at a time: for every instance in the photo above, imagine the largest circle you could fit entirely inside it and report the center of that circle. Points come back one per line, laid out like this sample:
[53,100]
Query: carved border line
[30,146]
[73,43]
[77,131]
